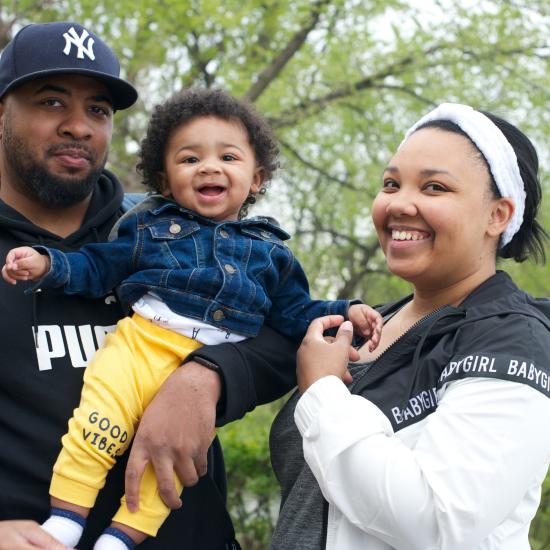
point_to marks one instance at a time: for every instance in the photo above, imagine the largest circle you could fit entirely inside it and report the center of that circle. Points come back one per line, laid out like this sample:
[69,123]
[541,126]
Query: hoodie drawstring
[35,316]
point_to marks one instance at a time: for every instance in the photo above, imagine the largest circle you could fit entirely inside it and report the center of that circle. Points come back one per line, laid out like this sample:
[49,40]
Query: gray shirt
[302,522]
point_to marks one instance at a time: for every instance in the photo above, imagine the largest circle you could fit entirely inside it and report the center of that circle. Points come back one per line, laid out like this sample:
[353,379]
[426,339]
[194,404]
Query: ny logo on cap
[71,37]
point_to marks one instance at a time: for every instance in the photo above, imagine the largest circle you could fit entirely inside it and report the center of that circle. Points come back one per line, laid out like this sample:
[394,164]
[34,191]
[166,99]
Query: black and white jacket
[448,450]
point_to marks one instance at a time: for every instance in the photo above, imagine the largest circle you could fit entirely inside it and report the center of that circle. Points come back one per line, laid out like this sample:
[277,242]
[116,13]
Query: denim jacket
[235,275]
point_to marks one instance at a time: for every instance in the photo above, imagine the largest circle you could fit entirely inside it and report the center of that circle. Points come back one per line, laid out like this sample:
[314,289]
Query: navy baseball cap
[59,48]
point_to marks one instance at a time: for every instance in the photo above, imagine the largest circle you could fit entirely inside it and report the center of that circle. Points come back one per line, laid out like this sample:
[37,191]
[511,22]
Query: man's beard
[32,178]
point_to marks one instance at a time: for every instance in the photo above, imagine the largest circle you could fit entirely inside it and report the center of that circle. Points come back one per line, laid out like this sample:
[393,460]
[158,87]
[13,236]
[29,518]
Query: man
[59,89]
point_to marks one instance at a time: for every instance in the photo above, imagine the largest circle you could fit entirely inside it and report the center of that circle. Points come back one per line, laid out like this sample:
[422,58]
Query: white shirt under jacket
[466,477]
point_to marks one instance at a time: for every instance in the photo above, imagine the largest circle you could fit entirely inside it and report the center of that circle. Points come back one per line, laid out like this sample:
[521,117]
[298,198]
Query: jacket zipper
[377,361]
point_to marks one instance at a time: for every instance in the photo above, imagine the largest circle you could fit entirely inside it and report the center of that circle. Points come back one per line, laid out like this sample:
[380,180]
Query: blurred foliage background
[340,81]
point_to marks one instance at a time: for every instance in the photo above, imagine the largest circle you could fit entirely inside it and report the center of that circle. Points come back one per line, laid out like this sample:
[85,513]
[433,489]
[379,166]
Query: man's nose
[76,125]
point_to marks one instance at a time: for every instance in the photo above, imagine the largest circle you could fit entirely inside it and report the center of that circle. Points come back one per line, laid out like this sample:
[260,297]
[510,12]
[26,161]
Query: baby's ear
[257,179]
[162,183]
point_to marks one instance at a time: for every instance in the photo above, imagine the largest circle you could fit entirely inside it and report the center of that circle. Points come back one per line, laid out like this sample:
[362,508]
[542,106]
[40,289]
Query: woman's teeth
[406,236]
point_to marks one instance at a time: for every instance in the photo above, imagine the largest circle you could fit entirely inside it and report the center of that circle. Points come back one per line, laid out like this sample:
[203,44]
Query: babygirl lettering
[497,366]
[469,364]
[529,372]
[418,406]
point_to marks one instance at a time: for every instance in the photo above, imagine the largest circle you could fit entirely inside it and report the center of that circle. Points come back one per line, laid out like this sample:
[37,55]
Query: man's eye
[50,102]
[99,110]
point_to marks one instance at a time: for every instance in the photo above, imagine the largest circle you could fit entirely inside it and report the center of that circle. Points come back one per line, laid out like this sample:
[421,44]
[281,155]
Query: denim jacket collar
[161,204]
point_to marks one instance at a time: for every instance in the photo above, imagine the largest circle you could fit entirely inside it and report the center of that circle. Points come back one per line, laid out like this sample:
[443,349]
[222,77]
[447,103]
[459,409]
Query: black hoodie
[40,387]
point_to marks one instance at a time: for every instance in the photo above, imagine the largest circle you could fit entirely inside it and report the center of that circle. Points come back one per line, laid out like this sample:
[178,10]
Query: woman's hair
[202,102]
[530,239]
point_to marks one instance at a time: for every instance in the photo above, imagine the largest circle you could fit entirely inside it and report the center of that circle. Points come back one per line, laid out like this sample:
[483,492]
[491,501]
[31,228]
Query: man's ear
[2,109]
[257,179]
[501,213]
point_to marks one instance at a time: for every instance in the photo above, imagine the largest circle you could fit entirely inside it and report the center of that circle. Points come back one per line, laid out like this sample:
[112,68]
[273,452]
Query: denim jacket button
[175,228]
[218,315]
[224,233]
[229,268]
[265,234]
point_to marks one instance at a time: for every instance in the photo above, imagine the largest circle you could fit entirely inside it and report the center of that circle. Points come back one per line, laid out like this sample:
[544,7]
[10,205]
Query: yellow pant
[119,384]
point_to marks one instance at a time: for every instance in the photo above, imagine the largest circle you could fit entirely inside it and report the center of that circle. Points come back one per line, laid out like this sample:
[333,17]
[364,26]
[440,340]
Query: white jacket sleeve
[474,460]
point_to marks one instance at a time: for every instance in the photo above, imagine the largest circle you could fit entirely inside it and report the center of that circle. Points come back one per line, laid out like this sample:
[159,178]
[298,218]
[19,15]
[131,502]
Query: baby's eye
[190,160]
[229,157]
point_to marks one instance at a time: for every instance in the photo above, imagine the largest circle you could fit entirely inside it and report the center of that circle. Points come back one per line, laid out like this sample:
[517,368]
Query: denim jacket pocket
[172,229]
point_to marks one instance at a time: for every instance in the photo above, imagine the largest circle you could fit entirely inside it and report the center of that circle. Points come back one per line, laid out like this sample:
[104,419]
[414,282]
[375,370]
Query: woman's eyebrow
[428,172]
[392,169]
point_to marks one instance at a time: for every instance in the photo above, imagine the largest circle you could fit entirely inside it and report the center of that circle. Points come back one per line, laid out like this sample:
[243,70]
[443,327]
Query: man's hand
[319,356]
[24,264]
[26,535]
[175,433]
[367,322]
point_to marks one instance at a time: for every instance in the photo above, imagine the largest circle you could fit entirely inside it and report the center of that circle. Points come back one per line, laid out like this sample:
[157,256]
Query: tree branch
[288,117]
[366,250]
[312,166]
[263,40]
[270,72]
[350,286]
[200,64]
[351,283]
[406,91]
[311,106]
[6,30]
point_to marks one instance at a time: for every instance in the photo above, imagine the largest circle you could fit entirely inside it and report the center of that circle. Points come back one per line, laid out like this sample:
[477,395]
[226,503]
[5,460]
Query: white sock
[108,542]
[65,530]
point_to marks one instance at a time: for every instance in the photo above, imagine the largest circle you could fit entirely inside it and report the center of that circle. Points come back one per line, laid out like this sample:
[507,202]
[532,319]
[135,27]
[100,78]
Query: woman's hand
[321,356]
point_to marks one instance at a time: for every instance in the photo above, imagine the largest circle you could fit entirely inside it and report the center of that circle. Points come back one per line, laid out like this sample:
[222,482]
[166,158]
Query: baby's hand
[24,264]
[367,322]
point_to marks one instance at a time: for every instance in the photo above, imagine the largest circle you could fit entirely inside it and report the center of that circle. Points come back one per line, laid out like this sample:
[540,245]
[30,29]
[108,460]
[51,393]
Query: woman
[442,439]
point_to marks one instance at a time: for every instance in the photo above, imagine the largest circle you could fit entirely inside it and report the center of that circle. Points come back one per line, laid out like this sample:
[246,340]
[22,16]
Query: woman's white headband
[496,149]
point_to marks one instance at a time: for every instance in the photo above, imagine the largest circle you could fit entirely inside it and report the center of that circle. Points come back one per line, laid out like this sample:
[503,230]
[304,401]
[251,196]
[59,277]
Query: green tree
[340,80]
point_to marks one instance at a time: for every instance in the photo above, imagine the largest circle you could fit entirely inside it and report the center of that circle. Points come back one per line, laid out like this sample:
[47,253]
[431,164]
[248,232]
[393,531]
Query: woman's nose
[401,204]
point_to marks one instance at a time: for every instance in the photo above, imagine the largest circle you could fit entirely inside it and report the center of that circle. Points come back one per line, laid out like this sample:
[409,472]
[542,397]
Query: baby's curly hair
[198,102]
